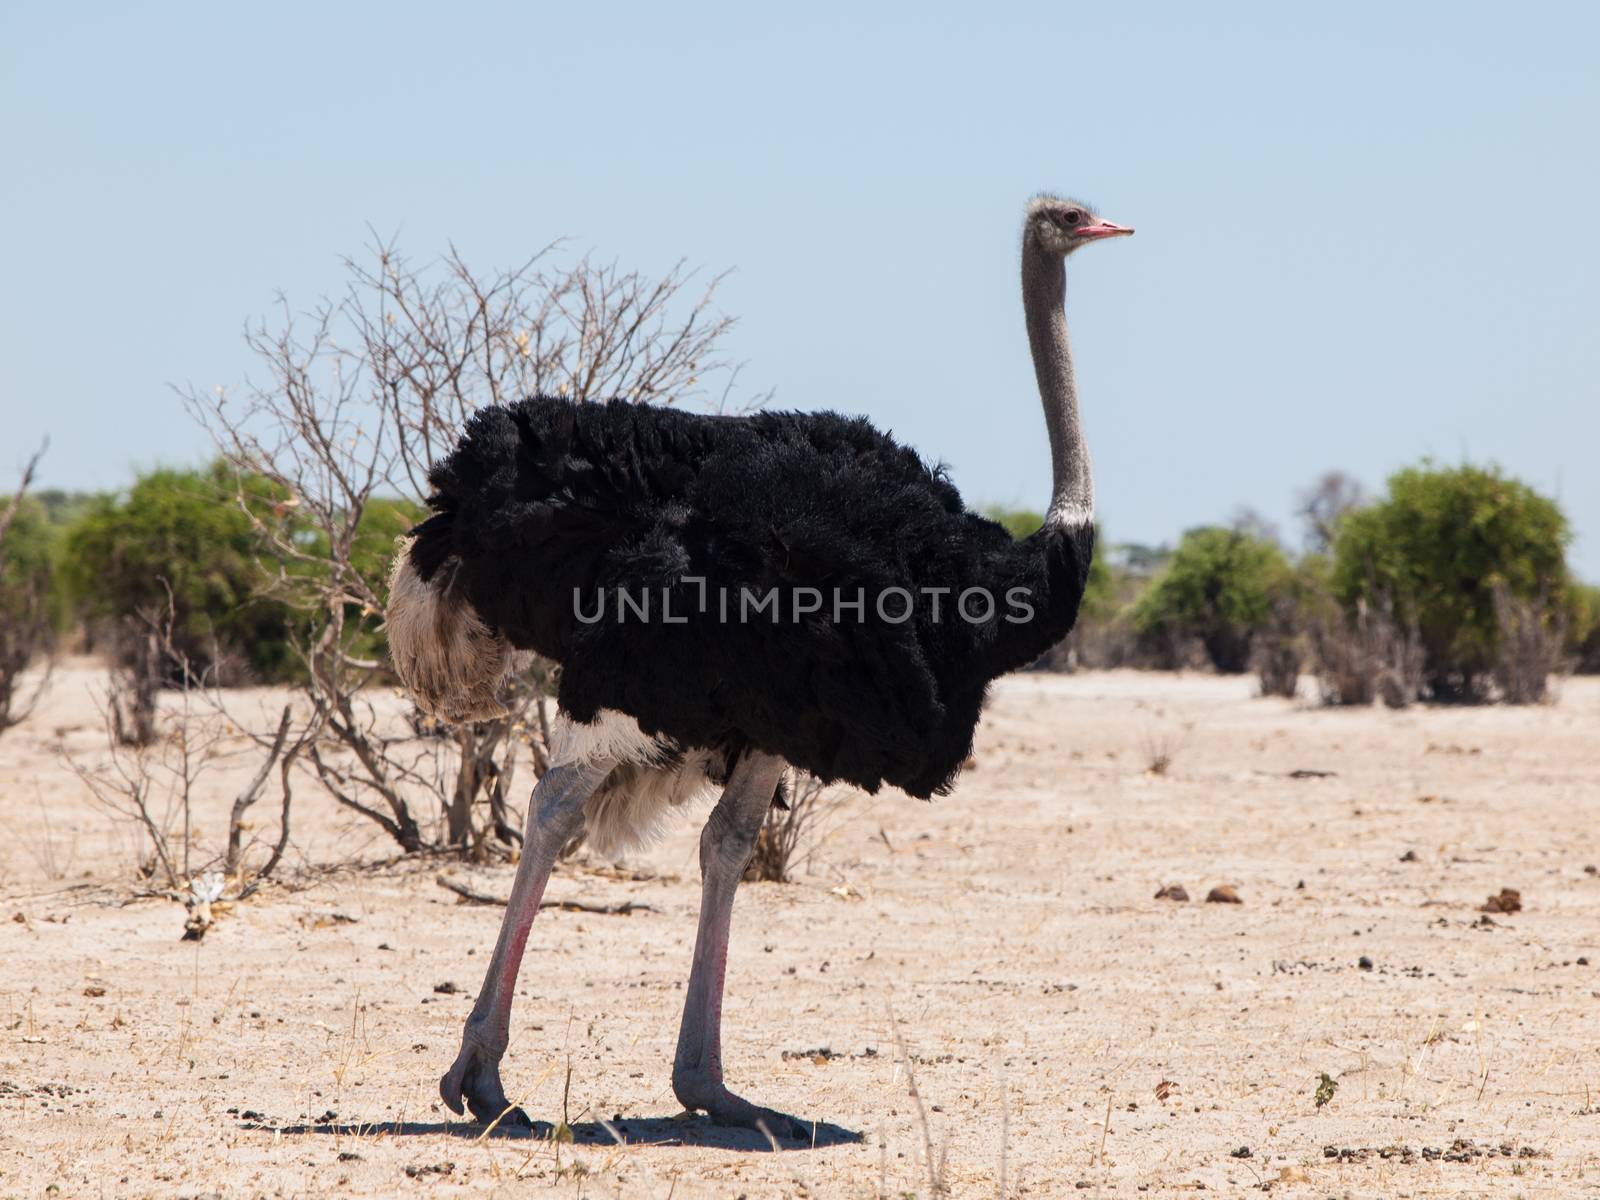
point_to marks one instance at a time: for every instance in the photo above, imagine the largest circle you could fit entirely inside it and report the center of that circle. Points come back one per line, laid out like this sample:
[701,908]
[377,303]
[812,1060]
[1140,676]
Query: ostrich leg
[726,844]
[554,815]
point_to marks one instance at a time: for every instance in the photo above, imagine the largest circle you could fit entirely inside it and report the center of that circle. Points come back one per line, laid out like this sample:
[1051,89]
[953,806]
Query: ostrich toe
[726,1108]
[475,1078]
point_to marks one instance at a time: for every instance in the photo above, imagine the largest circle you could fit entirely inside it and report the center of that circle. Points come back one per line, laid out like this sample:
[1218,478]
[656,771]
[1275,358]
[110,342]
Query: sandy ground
[1067,1031]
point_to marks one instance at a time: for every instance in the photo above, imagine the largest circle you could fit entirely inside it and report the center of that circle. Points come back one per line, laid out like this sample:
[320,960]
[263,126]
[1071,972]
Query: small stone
[1241,1152]
[1223,894]
[1508,901]
[1364,963]
[1174,891]
[1409,856]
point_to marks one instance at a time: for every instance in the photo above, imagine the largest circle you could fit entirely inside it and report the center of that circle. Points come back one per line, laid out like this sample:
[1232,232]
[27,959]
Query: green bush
[234,602]
[1218,586]
[1436,546]
[183,530]
[1583,627]
[28,615]
[381,523]
[28,586]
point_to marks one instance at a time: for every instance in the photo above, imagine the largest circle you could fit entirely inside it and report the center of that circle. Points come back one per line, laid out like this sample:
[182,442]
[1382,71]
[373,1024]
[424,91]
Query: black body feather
[545,501]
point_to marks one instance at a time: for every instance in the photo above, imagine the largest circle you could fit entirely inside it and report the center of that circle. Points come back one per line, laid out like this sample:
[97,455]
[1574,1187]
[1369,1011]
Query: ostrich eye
[1072,216]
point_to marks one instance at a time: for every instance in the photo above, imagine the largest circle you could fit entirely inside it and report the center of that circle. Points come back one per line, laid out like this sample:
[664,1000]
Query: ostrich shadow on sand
[634,1131]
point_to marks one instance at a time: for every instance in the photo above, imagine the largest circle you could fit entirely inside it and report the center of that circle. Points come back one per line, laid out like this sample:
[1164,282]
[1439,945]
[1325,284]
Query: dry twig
[473,896]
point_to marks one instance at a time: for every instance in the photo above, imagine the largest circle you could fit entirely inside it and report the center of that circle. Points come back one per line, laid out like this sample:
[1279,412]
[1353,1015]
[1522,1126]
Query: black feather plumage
[545,507]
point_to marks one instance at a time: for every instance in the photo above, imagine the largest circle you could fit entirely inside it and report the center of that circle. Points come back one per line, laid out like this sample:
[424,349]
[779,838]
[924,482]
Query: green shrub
[1218,586]
[183,530]
[29,609]
[381,523]
[1437,546]
[28,585]
[1583,627]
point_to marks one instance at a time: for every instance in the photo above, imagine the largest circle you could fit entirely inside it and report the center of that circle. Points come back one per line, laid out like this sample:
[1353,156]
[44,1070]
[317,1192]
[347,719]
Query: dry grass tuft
[1161,747]
[791,824]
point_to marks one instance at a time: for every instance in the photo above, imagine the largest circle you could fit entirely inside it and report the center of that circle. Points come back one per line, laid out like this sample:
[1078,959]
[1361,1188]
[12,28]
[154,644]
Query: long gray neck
[1044,281]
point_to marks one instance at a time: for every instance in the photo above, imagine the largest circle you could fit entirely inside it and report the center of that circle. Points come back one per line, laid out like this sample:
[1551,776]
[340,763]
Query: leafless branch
[356,400]
[473,896]
[251,792]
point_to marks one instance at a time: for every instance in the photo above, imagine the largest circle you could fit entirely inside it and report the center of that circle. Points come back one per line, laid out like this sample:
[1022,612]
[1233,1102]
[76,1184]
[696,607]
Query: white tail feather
[453,664]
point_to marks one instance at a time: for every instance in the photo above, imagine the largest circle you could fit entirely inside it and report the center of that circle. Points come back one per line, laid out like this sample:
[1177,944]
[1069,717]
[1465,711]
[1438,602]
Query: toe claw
[450,1091]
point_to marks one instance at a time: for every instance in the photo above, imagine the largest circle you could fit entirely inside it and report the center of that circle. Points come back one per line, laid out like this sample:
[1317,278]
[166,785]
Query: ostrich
[821,598]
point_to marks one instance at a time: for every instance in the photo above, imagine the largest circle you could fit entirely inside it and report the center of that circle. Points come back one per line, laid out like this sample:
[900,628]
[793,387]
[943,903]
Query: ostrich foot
[475,1078]
[725,1108]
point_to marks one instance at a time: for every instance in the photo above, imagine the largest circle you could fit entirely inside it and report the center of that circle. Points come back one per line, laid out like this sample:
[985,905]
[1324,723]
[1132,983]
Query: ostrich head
[1058,225]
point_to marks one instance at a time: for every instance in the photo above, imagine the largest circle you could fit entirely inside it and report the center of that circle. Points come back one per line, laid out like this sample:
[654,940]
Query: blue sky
[1367,233]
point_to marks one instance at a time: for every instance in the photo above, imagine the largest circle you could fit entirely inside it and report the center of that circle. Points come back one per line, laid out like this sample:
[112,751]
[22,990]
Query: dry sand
[1065,1027]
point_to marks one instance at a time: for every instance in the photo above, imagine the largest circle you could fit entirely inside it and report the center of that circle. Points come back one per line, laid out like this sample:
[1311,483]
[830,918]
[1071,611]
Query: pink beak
[1105,229]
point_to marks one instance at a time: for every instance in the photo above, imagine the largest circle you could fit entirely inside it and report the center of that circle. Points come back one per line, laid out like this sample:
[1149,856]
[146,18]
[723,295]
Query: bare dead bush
[1529,648]
[360,397]
[1278,650]
[1099,644]
[1324,504]
[791,827]
[1367,655]
[152,783]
